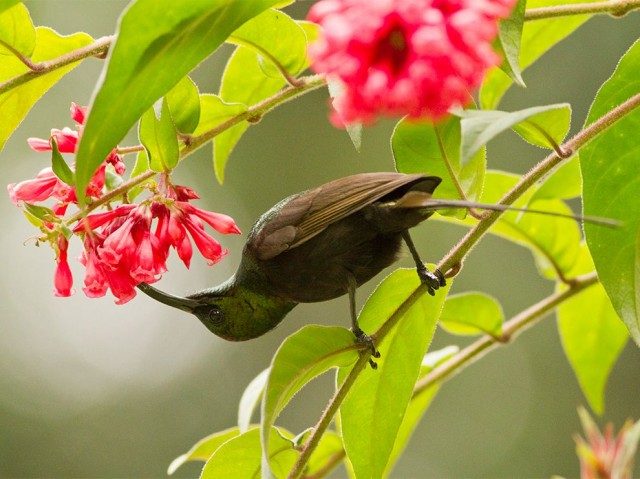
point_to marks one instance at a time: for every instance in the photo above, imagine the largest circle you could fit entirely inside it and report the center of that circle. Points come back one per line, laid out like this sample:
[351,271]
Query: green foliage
[204,448]
[184,105]
[16,31]
[6,4]
[59,166]
[563,183]
[610,188]
[509,37]
[472,313]
[140,166]
[158,43]
[251,397]
[158,135]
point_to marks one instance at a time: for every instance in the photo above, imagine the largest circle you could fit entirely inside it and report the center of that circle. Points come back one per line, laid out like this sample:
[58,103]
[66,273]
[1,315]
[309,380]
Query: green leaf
[419,404]
[244,82]
[537,38]
[354,130]
[250,399]
[141,166]
[16,103]
[278,40]
[240,457]
[59,166]
[472,313]
[158,135]
[184,104]
[328,449]
[6,4]
[40,213]
[610,188]
[158,43]
[562,183]
[16,31]
[509,39]
[539,125]
[214,111]
[112,180]
[304,355]
[204,448]
[372,411]
[422,147]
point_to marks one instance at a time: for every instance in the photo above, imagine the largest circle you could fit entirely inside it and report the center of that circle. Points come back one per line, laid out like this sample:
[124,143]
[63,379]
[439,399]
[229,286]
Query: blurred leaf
[204,448]
[472,313]
[244,82]
[6,4]
[158,135]
[421,147]
[16,103]
[509,38]
[184,104]
[533,124]
[141,166]
[16,31]
[372,411]
[240,456]
[537,37]
[275,37]
[611,182]
[41,213]
[418,404]
[112,179]
[562,183]
[250,399]
[305,354]
[311,31]
[58,165]
[354,130]
[158,43]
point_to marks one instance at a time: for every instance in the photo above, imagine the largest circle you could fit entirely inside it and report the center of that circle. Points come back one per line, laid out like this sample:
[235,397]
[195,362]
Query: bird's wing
[303,216]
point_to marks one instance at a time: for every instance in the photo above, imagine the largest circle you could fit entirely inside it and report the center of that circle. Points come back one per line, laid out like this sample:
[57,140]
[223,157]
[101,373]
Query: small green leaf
[610,189]
[304,355]
[250,399]
[240,457]
[112,179]
[158,43]
[563,183]
[204,448]
[472,313]
[158,135]
[140,166]
[373,410]
[538,125]
[59,166]
[418,404]
[17,102]
[422,147]
[40,212]
[354,130]
[509,38]
[279,41]
[214,111]
[16,31]
[184,104]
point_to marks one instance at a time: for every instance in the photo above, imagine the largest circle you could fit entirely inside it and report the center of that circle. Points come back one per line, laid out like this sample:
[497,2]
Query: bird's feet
[364,338]
[432,281]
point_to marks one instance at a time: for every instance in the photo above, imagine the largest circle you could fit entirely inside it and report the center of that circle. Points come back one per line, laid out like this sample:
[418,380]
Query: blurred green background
[91,389]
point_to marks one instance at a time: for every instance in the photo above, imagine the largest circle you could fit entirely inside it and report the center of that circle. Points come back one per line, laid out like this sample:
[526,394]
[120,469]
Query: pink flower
[78,113]
[62,280]
[38,189]
[66,138]
[221,223]
[404,57]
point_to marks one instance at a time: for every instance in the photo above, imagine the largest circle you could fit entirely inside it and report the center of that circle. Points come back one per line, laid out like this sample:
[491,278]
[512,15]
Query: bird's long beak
[185,304]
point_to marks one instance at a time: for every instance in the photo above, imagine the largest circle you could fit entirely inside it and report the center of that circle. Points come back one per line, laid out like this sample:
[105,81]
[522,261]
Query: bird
[321,244]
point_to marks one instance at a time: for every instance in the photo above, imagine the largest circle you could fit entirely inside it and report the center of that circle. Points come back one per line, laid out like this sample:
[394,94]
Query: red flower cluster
[405,57]
[128,244]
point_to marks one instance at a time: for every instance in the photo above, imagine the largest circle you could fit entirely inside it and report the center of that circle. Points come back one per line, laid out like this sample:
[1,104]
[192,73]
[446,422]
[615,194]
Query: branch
[97,48]
[617,8]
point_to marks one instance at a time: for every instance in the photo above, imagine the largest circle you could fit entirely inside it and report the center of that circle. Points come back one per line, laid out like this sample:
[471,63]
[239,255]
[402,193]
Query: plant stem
[511,329]
[99,47]
[305,84]
[616,8]
[125,150]
[331,464]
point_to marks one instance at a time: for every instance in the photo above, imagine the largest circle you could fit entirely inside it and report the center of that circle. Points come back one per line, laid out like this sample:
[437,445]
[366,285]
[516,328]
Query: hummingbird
[318,245]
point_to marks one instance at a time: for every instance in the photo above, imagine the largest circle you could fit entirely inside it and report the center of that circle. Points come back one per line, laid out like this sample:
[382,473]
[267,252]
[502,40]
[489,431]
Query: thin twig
[617,8]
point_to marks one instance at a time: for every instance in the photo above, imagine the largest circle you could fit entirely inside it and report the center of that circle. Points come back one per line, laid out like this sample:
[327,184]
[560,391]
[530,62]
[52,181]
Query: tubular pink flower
[221,223]
[208,246]
[38,189]
[185,251]
[144,268]
[118,246]
[404,57]
[95,281]
[121,284]
[62,280]
[184,193]
[78,113]
[95,220]
[67,141]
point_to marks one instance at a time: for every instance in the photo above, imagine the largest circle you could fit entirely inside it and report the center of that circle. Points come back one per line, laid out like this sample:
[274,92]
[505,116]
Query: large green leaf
[472,313]
[422,147]
[539,125]
[611,182]
[204,448]
[537,37]
[158,43]
[374,408]
[184,104]
[158,135]
[563,183]
[304,355]
[6,4]
[329,449]
[16,103]
[240,457]
[509,39]
[250,399]
[16,31]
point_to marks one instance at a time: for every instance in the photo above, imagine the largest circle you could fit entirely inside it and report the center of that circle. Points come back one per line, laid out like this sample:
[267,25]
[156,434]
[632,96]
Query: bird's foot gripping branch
[419,60]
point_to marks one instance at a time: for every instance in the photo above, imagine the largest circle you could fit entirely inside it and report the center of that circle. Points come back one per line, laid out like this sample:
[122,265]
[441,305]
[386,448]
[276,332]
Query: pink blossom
[219,222]
[78,113]
[405,57]
[95,281]
[66,138]
[38,189]
[208,247]
[62,280]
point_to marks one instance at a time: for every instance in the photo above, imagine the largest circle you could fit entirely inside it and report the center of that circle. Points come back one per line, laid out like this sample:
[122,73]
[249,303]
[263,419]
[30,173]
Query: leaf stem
[97,48]
[617,8]
[512,328]
[125,150]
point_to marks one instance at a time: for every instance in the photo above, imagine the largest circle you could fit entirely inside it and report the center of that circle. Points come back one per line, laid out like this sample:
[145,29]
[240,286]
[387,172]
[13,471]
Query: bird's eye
[216,316]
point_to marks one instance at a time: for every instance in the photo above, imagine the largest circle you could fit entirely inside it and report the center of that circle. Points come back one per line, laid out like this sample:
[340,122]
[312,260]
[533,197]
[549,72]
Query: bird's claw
[364,338]
[432,281]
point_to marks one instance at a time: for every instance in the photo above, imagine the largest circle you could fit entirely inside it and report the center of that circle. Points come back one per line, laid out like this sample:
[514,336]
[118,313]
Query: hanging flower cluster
[404,57]
[126,244]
